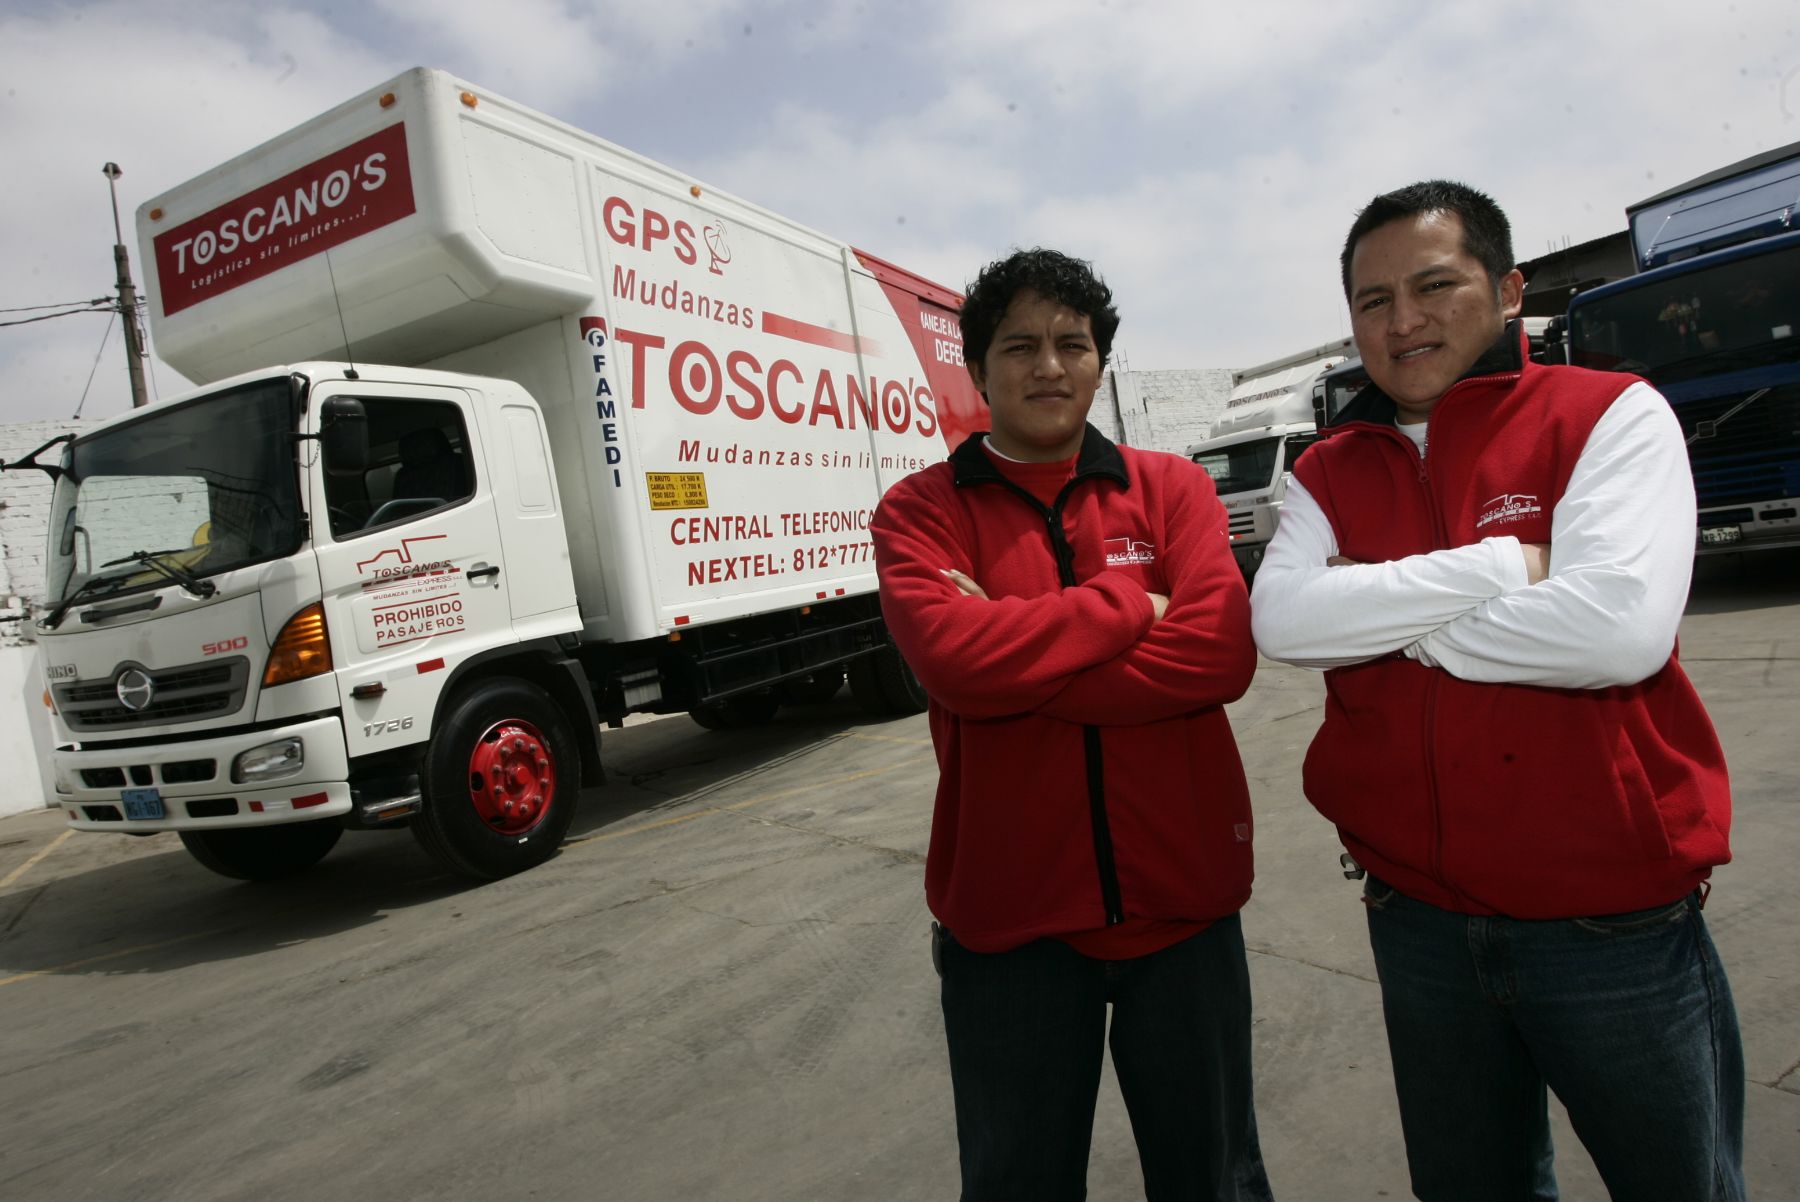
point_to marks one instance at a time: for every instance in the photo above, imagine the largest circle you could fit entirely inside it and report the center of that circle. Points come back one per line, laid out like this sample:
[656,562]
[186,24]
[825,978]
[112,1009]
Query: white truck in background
[505,432]
[1268,422]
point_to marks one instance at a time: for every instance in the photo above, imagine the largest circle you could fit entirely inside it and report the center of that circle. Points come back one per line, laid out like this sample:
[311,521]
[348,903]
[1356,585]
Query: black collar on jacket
[1098,457]
[1507,354]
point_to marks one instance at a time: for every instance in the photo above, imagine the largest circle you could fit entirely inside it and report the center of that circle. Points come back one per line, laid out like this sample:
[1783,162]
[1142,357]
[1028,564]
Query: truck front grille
[184,694]
[1751,455]
[1241,521]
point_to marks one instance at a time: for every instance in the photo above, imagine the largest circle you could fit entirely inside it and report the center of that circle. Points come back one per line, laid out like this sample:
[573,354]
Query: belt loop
[1705,891]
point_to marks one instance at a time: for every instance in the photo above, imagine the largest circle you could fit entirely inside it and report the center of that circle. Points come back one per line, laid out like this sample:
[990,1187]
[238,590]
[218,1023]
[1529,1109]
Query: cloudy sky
[1206,156]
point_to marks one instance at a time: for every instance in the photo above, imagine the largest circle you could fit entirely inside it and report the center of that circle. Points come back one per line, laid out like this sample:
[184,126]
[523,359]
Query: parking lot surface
[721,987]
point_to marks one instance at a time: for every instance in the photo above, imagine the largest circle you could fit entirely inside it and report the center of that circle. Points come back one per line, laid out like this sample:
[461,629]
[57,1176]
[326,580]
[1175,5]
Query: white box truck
[505,432]
[1267,423]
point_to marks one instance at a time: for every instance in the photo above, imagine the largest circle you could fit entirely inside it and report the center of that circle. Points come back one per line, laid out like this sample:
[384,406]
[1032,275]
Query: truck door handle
[483,571]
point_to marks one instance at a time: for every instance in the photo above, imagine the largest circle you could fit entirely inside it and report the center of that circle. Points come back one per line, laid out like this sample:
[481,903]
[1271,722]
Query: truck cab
[1710,319]
[1267,425]
[263,593]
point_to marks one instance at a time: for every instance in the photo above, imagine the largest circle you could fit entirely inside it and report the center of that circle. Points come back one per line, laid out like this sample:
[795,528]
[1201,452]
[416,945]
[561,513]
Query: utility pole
[128,308]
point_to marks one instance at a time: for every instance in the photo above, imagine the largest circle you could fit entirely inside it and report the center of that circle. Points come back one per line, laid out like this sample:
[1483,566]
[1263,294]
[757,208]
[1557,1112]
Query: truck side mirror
[344,431]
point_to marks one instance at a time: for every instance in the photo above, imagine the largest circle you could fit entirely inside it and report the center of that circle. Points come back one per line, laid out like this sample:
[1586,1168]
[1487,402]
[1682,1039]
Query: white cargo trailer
[506,432]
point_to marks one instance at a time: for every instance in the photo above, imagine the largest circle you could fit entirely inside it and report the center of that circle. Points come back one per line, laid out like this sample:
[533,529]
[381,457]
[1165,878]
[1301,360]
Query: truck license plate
[142,804]
[1713,536]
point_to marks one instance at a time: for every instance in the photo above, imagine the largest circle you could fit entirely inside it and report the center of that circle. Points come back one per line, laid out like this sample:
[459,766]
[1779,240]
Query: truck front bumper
[189,786]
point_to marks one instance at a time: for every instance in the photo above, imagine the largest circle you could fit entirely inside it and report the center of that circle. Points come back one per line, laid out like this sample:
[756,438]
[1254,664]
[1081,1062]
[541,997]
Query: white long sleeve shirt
[1621,558]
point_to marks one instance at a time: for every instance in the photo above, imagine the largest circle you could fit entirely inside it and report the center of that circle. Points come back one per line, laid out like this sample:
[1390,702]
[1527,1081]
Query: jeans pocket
[1377,893]
[1636,921]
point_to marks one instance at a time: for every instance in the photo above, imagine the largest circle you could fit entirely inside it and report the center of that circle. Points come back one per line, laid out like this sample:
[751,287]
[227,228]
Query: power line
[93,369]
[25,321]
[98,300]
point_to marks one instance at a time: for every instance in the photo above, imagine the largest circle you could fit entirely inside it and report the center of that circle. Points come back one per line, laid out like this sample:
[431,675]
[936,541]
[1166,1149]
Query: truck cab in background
[1267,424]
[1712,319]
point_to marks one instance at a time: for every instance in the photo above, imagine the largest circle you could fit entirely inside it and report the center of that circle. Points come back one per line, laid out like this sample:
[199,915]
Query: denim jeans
[1027,1030]
[1628,1017]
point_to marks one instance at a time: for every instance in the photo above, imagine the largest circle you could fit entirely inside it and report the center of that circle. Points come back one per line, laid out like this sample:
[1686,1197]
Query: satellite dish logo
[717,246]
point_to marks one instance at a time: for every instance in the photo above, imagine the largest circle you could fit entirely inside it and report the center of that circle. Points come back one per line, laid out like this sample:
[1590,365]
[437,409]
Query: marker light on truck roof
[156,214]
[387,100]
[468,99]
[301,650]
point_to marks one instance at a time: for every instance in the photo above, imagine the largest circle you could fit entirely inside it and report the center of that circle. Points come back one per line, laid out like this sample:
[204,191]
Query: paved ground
[721,989]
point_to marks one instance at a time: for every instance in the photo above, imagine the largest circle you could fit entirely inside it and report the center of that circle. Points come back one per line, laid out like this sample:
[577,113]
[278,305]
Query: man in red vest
[1489,558]
[1075,615]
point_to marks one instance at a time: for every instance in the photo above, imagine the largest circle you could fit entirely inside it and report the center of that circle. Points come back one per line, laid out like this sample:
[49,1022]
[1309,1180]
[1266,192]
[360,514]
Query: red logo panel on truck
[329,201]
[928,314]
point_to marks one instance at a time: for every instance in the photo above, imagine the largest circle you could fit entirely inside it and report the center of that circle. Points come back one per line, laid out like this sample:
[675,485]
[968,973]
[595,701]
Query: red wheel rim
[512,777]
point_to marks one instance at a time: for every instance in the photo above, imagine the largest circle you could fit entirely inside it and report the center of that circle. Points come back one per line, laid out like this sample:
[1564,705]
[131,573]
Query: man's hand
[1159,602]
[1537,561]
[964,583]
[1341,561]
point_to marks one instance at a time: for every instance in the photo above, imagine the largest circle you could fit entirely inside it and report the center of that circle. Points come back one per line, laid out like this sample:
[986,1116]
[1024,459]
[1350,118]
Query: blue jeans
[1027,1030]
[1628,1017]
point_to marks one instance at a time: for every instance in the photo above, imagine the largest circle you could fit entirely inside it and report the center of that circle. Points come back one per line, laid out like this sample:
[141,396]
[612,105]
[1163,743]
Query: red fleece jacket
[1087,772]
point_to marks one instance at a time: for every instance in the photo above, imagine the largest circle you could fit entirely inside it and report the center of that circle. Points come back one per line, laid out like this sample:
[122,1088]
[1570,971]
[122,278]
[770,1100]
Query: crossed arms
[1097,652]
[1620,559]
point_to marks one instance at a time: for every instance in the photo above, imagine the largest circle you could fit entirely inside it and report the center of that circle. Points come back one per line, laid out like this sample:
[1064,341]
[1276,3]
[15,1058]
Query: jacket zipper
[1104,862]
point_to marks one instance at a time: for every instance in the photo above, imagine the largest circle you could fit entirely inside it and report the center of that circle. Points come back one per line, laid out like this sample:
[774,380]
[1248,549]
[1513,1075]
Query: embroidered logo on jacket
[1508,507]
[1121,552]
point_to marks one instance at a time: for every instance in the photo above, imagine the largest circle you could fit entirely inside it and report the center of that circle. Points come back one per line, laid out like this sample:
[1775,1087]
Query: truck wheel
[815,688]
[746,709]
[883,685]
[263,853]
[501,781]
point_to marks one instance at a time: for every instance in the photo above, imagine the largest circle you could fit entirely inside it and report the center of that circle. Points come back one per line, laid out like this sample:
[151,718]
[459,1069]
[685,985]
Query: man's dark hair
[1487,235]
[1053,276]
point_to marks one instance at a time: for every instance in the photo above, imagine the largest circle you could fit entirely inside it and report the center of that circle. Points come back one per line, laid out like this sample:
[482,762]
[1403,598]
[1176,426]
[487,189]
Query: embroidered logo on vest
[1509,507]
[1122,552]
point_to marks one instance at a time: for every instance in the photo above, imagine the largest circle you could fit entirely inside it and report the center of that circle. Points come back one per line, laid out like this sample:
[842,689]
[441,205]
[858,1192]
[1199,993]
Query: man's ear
[980,378]
[1512,293]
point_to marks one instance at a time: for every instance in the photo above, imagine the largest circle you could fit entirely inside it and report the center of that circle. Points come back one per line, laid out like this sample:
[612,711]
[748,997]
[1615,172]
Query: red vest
[1497,798]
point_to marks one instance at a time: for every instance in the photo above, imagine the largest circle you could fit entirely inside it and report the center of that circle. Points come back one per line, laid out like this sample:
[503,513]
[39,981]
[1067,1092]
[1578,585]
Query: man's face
[1039,374]
[1423,309]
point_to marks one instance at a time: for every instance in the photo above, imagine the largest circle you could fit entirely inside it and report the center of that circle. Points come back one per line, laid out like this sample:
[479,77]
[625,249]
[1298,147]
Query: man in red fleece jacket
[1073,610]
[1489,559]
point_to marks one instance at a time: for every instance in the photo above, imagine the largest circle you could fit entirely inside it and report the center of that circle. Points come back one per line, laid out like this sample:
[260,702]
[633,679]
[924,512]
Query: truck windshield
[1735,314]
[1340,390]
[199,488]
[1242,466]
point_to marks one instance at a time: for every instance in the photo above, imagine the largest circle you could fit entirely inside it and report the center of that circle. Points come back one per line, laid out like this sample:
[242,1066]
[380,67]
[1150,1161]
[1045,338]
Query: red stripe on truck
[805,331]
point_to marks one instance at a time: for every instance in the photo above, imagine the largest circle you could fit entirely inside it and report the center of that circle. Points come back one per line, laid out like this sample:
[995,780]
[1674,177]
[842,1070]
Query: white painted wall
[24,517]
[1160,410]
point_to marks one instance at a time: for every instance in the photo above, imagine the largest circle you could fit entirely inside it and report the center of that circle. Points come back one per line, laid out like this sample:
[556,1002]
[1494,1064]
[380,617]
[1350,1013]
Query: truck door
[410,559]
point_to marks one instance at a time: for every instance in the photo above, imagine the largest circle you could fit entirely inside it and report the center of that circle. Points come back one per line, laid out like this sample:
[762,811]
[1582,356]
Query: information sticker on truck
[676,490]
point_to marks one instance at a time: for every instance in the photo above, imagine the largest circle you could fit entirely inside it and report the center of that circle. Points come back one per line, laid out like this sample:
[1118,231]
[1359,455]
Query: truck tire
[263,853]
[501,781]
[746,709]
[883,685]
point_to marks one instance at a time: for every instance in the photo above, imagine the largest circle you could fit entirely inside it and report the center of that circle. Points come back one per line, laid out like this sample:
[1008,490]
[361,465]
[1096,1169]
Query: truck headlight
[271,761]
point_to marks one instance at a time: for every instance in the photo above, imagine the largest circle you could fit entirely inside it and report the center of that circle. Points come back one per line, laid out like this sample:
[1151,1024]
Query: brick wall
[1161,410]
[24,518]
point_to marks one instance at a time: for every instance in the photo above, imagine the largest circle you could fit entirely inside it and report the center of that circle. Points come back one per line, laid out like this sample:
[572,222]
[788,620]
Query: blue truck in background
[1712,319]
